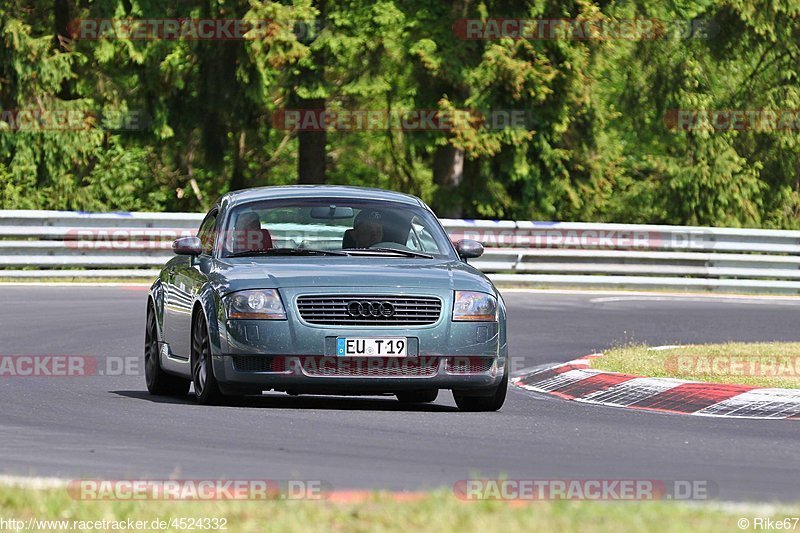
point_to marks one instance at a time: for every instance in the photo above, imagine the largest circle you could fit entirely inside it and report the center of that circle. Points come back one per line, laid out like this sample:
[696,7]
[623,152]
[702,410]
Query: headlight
[260,305]
[476,306]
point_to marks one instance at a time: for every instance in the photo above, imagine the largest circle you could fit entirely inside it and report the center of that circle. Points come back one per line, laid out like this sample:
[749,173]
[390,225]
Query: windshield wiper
[407,253]
[287,251]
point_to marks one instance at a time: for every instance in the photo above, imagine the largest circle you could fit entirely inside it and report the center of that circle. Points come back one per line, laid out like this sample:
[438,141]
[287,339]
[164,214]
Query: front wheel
[159,383]
[494,402]
[206,388]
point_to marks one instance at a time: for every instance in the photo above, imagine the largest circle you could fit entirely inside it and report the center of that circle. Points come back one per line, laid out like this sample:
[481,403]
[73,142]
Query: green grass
[773,364]
[437,511]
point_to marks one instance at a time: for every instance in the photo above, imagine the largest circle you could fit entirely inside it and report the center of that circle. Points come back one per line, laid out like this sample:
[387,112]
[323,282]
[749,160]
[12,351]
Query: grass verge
[771,364]
[436,511]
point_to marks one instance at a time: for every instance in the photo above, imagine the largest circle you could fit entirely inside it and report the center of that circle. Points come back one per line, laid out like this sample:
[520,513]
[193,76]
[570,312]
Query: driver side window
[207,233]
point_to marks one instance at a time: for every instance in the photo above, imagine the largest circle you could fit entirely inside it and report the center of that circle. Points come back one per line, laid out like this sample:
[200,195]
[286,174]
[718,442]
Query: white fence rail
[45,244]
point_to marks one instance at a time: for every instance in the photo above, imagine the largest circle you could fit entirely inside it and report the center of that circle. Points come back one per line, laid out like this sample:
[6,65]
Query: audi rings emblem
[368,309]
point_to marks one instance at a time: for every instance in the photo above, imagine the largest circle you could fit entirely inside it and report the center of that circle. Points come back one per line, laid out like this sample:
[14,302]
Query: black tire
[206,388]
[466,402]
[418,396]
[159,382]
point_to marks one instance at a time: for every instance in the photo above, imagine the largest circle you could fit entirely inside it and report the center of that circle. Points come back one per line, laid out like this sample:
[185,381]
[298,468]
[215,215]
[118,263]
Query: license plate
[371,347]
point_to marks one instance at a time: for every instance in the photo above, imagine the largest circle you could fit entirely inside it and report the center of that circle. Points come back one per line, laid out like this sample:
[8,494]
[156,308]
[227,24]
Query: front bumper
[292,355]
[355,376]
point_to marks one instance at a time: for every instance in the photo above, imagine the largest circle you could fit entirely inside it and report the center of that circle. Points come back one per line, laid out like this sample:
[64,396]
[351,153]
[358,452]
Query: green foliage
[597,142]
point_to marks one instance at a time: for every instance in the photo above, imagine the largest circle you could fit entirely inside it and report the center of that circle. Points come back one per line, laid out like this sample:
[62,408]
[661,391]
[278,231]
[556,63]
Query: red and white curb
[577,380]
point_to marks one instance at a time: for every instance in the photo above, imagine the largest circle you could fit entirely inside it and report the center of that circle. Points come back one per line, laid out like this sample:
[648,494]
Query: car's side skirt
[174,364]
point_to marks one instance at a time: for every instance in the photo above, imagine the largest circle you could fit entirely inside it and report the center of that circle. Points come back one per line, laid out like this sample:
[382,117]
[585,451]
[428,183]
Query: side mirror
[469,249]
[187,246]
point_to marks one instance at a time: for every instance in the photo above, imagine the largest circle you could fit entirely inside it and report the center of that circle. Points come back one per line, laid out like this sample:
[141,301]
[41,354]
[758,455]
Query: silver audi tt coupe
[325,290]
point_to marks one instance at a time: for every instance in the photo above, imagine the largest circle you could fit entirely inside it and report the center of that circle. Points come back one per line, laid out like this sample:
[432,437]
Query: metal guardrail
[45,244]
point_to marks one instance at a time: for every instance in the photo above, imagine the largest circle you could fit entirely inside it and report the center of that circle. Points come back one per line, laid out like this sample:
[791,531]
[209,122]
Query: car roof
[315,191]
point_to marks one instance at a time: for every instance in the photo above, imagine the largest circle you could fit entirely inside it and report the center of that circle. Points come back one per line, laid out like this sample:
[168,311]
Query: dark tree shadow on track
[284,401]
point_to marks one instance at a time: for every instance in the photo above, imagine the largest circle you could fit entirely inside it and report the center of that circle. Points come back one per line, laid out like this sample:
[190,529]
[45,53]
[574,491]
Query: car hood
[311,272]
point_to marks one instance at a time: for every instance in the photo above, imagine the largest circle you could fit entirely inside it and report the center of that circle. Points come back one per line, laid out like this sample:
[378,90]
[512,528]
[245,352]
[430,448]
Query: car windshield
[334,226]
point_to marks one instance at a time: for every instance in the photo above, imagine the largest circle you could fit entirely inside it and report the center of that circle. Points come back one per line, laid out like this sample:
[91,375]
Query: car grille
[341,366]
[335,310]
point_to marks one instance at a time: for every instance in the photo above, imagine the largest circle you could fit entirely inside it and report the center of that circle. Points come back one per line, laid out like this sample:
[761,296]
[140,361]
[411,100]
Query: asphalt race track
[109,427]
